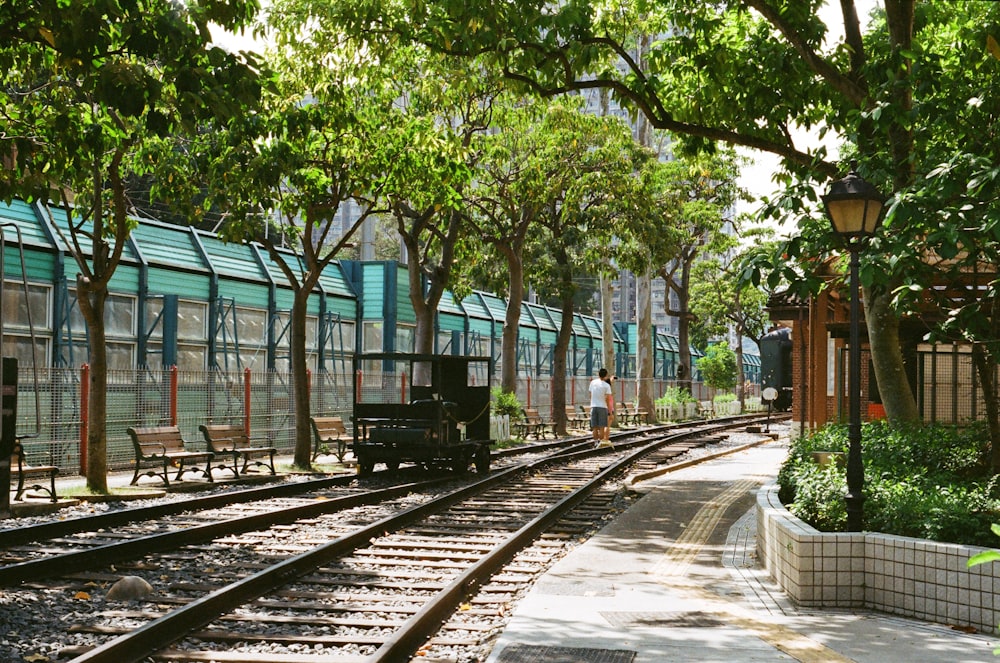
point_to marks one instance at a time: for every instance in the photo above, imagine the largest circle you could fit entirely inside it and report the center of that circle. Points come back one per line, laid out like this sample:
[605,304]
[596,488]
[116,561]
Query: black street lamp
[855,210]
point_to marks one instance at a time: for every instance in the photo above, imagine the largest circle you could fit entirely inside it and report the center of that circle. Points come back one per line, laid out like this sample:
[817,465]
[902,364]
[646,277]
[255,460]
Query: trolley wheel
[365,467]
[483,460]
[460,463]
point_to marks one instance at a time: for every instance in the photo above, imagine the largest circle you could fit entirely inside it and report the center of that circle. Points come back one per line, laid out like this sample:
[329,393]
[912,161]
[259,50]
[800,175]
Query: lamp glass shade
[854,206]
[854,217]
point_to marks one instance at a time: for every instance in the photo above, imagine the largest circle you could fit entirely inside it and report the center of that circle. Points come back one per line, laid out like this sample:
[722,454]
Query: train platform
[675,579]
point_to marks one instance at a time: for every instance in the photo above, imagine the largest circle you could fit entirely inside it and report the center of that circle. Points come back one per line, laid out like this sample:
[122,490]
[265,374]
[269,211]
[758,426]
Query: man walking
[601,407]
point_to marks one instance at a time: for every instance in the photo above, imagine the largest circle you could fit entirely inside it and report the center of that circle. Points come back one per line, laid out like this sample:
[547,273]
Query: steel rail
[80,560]
[165,630]
[112,519]
[161,632]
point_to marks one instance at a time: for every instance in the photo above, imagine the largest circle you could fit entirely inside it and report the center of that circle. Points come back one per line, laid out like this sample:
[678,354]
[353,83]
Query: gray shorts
[598,417]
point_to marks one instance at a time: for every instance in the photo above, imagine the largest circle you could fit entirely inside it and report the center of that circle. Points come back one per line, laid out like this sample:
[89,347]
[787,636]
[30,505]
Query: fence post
[402,386]
[84,415]
[246,401]
[173,395]
[528,379]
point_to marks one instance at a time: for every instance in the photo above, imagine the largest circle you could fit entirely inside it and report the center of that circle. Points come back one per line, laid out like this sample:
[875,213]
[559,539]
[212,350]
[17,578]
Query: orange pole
[84,415]
[173,395]
[246,402]
[402,386]
[358,378]
[529,392]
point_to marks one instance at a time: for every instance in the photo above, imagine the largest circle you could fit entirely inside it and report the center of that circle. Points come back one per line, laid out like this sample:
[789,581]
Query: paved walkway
[675,579]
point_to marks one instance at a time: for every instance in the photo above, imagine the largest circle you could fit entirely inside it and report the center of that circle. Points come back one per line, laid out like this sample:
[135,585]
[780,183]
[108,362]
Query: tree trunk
[740,376]
[887,358]
[684,370]
[986,368]
[607,326]
[644,363]
[300,381]
[92,303]
[559,361]
[508,344]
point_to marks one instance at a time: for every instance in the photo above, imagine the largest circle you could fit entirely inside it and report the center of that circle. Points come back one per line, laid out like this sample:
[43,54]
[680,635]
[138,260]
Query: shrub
[506,403]
[675,396]
[725,398]
[930,482]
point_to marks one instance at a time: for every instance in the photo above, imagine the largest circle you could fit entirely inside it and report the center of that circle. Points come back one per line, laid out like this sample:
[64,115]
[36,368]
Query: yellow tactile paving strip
[673,567]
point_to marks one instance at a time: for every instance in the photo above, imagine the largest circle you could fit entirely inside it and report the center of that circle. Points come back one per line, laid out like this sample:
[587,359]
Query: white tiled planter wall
[892,574]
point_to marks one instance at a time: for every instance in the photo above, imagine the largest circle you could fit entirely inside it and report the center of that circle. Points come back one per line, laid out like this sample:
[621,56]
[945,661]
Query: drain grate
[534,654]
[694,619]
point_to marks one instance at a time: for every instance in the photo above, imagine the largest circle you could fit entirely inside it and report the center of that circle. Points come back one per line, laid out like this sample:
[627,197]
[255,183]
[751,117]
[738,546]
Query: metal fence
[948,388]
[188,399]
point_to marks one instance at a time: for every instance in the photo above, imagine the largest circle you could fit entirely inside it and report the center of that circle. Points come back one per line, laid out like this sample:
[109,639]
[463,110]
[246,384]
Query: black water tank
[776,365]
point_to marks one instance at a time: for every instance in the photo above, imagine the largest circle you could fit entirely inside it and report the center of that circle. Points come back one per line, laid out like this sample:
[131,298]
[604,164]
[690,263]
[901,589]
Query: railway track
[371,579]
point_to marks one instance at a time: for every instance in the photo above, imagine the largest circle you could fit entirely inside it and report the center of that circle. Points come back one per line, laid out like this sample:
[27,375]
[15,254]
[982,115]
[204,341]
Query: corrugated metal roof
[22,215]
[161,244]
[231,259]
[543,317]
[449,305]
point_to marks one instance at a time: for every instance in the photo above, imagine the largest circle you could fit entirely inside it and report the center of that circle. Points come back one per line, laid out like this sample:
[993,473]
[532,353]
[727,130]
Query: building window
[371,340]
[405,338]
[15,313]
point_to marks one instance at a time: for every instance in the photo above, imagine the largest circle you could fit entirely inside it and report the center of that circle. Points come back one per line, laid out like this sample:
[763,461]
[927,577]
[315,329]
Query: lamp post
[855,210]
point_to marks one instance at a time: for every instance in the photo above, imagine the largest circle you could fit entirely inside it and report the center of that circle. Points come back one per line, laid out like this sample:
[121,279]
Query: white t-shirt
[599,390]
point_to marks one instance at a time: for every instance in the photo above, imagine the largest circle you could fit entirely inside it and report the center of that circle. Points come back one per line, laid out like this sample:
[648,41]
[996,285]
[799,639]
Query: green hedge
[929,482]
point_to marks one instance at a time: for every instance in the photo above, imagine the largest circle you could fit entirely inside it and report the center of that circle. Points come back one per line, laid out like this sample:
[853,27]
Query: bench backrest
[325,428]
[531,414]
[157,439]
[224,437]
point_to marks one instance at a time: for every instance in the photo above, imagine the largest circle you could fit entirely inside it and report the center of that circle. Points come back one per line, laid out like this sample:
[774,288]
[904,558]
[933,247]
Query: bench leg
[235,466]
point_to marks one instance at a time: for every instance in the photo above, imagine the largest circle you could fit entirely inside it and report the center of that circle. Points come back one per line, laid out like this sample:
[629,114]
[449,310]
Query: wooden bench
[631,414]
[232,440]
[163,447]
[329,433]
[575,418]
[533,424]
[19,468]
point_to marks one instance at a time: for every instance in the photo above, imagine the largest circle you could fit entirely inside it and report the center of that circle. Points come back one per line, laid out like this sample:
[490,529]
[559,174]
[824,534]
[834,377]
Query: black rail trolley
[427,409]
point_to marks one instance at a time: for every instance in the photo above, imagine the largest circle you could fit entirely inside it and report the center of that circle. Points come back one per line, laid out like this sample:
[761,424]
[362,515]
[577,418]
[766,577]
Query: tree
[743,72]
[721,301]
[592,188]
[718,366]
[703,191]
[453,104]
[330,132]
[88,92]
[512,175]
